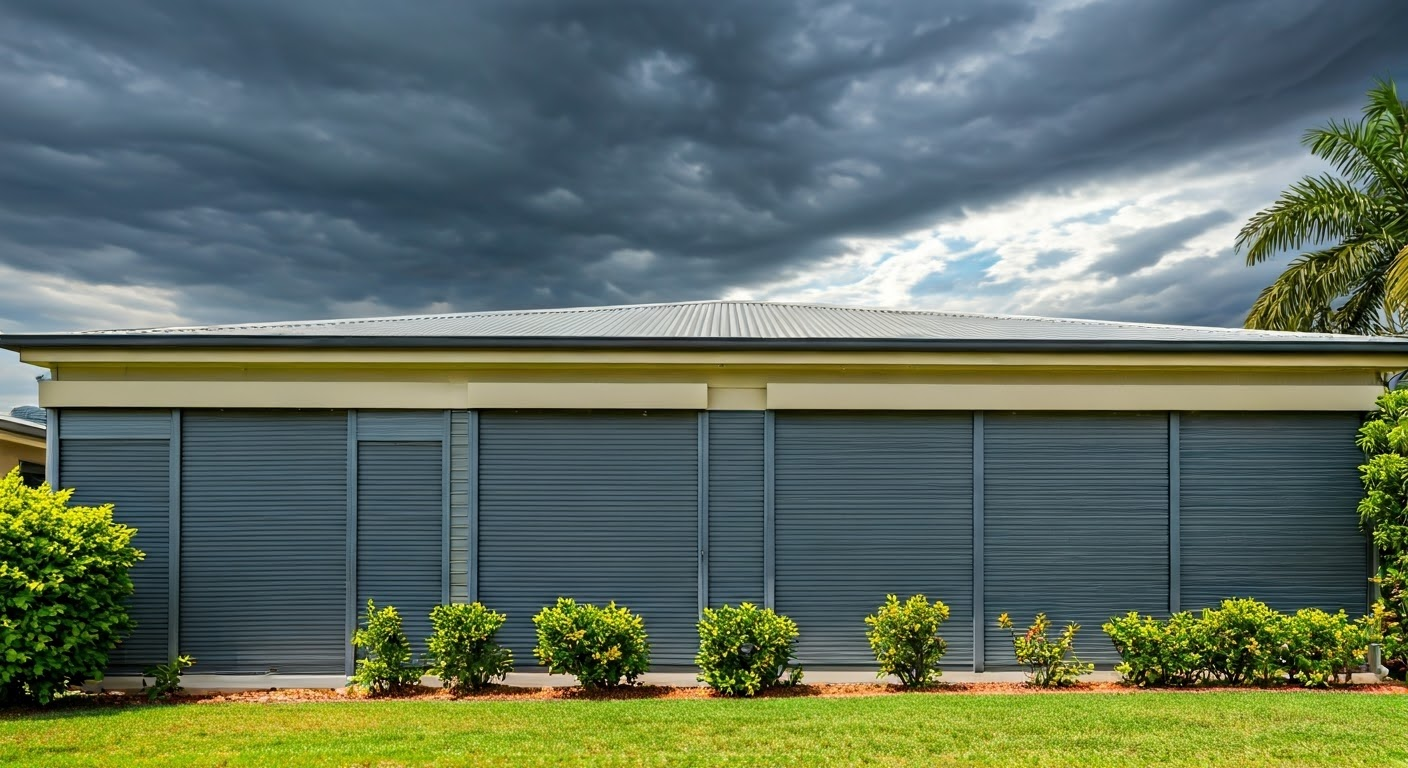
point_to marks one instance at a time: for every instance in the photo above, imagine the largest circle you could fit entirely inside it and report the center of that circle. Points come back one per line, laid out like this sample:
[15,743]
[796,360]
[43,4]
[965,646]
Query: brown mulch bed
[828,690]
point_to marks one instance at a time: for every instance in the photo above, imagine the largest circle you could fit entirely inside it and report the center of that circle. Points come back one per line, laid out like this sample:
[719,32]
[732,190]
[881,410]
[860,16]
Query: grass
[1166,729]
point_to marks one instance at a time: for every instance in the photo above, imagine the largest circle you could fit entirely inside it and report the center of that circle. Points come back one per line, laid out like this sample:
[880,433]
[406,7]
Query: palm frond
[1396,282]
[1304,296]
[1314,210]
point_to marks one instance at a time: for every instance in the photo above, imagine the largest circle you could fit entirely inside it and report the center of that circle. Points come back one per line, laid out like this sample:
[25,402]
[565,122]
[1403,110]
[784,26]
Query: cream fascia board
[1072,397]
[50,357]
[663,395]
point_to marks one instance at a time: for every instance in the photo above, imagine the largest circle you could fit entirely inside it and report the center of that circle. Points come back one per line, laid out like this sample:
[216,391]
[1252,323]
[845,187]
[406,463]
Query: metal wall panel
[1075,523]
[869,504]
[133,476]
[594,505]
[459,506]
[399,516]
[263,540]
[735,507]
[1268,507]
[115,424]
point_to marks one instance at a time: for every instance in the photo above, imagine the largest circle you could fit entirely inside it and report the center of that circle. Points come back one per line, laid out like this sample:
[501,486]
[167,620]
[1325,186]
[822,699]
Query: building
[22,443]
[672,456]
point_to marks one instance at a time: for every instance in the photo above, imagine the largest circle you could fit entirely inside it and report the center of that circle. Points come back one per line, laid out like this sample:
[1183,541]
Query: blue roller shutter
[133,475]
[735,507]
[1075,523]
[594,505]
[869,504]
[400,513]
[264,540]
[1268,507]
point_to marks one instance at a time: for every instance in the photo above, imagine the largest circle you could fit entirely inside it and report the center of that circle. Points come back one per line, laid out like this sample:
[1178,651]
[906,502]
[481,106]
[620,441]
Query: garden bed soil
[827,690]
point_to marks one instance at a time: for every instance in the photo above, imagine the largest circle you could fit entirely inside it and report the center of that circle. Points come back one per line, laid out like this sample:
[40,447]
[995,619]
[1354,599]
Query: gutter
[19,342]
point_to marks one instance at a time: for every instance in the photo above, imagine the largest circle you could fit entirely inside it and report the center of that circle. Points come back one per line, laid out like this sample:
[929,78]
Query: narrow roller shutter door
[735,507]
[400,514]
[869,504]
[1075,523]
[263,540]
[1268,505]
[134,476]
[594,505]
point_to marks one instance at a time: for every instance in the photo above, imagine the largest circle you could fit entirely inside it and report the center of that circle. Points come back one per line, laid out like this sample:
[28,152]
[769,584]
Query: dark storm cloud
[1145,247]
[276,159]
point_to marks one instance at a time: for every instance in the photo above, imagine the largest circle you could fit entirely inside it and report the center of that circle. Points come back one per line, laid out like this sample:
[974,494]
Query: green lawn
[1244,729]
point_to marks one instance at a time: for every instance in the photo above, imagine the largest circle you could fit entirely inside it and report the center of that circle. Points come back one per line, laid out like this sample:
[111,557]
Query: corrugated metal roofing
[731,320]
[716,324]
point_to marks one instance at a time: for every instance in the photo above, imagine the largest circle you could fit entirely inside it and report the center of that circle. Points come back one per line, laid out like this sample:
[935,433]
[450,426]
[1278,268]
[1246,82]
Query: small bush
[1245,642]
[745,650]
[905,638]
[1320,648]
[166,678]
[1049,663]
[462,651]
[601,647]
[64,583]
[385,663]
[1154,652]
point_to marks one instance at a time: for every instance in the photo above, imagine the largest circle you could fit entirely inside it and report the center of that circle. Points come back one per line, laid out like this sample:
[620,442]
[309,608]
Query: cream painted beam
[587,395]
[1072,397]
[250,394]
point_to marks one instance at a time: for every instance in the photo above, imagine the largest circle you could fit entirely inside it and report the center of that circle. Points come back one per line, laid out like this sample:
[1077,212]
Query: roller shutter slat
[1075,523]
[1268,504]
[134,476]
[869,504]
[263,540]
[399,520]
[595,505]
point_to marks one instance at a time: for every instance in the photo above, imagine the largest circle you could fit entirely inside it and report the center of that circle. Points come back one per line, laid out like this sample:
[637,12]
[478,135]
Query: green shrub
[1321,648]
[745,650]
[905,638]
[462,651]
[166,678]
[1383,513]
[1246,642]
[384,663]
[1154,652]
[64,582]
[601,647]
[1049,663]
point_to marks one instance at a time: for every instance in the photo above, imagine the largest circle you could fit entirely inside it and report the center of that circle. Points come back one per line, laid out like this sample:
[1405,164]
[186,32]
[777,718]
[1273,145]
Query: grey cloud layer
[274,159]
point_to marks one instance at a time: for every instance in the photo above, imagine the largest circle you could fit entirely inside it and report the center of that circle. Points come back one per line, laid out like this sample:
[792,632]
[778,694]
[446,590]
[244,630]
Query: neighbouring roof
[19,426]
[30,413]
[715,324]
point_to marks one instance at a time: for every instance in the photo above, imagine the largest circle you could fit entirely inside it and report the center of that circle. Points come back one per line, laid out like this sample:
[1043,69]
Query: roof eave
[20,342]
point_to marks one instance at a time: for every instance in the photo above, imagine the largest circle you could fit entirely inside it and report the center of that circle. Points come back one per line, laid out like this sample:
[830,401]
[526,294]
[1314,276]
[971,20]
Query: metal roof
[21,426]
[713,324]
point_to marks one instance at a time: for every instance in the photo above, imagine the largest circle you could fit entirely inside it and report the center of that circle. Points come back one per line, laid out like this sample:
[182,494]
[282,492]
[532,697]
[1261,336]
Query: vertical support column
[445,440]
[351,597]
[1374,660]
[703,448]
[1175,566]
[472,546]
[173,532]
[979,617]
[51,448]
[769,503]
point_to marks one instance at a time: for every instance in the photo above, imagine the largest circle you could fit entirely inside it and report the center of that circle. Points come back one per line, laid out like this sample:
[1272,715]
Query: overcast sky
[199,161]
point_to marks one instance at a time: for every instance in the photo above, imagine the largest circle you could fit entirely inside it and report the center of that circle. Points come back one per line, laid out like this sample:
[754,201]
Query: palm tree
[1355,280]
